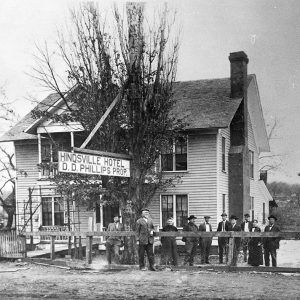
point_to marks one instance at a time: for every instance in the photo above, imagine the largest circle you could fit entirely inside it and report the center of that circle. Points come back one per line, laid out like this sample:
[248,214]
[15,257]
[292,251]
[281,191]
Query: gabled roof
[203,104]
[17,131]
[200,104]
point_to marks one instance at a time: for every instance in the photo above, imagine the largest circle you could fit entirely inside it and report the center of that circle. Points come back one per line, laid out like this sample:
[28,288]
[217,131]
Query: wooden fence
[12,245]
[284,235]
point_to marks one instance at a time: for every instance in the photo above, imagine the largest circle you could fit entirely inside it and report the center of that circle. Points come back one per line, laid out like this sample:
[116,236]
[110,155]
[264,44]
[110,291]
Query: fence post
[80,256]
[230,250]
[23,245]
[89,243]
[52,247]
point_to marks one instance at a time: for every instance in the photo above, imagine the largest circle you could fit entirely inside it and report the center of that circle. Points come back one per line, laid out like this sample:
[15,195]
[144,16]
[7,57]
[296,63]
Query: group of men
[145,238]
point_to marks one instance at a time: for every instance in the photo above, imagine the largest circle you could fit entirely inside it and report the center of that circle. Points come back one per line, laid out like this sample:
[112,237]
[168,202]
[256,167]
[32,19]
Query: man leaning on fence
[271,244]
[144,231]
[113,243]
[191,243]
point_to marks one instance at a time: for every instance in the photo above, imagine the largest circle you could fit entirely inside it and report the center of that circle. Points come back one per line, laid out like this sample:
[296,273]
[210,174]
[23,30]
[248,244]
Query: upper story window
[174,157]
[223,154]
[251,164]
[49,157]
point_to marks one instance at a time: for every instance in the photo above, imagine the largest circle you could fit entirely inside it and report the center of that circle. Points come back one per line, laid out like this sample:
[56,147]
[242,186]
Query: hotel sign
[81,163]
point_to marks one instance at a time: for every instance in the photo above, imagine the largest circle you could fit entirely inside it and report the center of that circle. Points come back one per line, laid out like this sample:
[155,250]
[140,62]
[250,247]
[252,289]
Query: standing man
[191,243]
[271,244]
[113,243]
[246,226]
[144,231]
[237,240]
[205,242]
[223,226]
[169,246]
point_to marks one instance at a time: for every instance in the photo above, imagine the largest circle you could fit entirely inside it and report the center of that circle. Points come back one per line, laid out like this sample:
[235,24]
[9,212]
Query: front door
[108,214]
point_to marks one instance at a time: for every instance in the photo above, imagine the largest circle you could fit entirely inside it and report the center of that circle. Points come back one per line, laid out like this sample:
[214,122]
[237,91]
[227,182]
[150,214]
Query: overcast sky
[268,31]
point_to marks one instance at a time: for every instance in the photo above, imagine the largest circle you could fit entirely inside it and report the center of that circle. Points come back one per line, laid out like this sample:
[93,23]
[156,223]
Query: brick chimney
[239,181]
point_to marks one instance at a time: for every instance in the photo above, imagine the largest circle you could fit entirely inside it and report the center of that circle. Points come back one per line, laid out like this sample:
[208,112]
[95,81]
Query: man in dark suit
[144,231]
[113,243]
[224,225]
[246,226]
[205,242]
[191,243]
[237,240]
[271,244]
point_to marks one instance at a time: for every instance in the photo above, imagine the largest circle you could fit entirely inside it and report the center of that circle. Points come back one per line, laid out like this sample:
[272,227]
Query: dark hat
[223,214]
[246,215]
[191,217]
[117,215]
[272,216]
[145,209]
[206,217]
[233,217]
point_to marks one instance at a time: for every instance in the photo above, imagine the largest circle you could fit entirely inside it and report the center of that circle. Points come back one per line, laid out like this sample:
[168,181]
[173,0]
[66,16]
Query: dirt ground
[29,281]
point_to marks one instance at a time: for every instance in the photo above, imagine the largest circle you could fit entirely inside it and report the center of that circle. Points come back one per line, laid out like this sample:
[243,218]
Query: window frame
[252,207]
[174,208]
[223,153]
[174,157]
[52,211]
[251,164]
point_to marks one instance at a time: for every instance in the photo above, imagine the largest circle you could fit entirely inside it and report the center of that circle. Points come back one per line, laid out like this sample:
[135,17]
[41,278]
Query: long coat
[190,227]
[272,243]
[255,250]
[143,230]
[202,227]
[237,240]
[115,240]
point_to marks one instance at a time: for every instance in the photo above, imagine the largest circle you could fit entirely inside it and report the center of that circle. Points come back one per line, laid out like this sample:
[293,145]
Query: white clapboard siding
[199,182]
[223,176]
[26,161]
[26,154]
[255,190]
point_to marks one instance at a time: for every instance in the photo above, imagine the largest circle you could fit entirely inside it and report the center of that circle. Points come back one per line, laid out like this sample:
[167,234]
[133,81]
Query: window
[223,202]
[175,206]
[252,207]
[264,213]
[174,157]
[52,211]
[49,157]
[251,160]
[223,154]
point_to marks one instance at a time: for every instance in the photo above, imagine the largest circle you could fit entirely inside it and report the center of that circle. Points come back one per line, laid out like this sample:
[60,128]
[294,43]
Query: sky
[268,31]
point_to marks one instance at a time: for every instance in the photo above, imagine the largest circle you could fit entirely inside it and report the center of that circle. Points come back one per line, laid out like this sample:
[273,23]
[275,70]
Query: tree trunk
[10,218]
[130,247]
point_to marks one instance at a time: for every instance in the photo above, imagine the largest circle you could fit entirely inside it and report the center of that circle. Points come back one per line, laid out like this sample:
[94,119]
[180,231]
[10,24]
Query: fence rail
[286,235]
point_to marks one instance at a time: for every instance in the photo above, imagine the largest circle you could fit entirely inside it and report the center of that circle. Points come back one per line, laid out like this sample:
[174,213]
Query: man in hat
[144,231]
[246,226]
[223,226]
[113,243]
[191,243]
[271,244]
[237,240]
[169,246]
[205,242]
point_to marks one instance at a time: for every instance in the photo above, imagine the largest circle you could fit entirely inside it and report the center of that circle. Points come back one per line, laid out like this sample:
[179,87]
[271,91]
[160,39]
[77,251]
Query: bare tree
[138,68]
